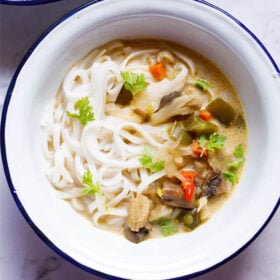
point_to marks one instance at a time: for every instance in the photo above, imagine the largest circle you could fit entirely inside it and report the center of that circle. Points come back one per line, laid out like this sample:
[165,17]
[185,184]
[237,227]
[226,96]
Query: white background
[22,254]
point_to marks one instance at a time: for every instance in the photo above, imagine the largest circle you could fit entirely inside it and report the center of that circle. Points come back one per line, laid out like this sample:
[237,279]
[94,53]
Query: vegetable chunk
[222,110]
[138,212]
[172,194]
[158,71]
[197,126]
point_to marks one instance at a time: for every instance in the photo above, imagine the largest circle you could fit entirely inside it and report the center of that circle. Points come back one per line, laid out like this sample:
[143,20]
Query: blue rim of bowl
[9,179]
[26,2]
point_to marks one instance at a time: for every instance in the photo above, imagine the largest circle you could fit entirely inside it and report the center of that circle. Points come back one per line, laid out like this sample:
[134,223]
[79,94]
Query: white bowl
[213,33]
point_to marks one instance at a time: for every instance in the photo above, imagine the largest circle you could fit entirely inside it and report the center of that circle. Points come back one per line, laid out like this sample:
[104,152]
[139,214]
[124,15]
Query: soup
[145,138]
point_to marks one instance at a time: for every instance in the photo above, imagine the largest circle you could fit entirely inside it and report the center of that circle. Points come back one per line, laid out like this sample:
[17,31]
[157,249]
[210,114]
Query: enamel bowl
[200,26]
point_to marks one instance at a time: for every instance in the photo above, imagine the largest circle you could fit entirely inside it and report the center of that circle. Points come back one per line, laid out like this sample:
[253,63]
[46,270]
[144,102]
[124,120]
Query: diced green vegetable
[186,138]
[191,220]
[176,130]
[222,110]
[202,84]
[197,126]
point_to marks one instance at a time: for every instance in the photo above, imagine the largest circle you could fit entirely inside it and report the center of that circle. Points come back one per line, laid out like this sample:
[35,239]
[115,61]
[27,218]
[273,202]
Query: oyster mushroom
[137,236]
[213,184]
[144,116]
[175,104]
[168,98]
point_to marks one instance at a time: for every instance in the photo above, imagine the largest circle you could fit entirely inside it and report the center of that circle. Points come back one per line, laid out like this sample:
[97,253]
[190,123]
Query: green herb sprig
[92,188]
[85,114]
[148,160]
[230,173]
[167,227]
[134,82]
[214,142]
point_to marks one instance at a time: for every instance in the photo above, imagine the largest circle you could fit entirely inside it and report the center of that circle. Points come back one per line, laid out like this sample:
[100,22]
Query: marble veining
[43,268]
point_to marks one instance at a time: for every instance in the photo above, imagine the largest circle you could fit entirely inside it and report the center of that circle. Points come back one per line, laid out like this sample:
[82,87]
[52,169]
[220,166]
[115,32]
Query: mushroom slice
[144,116]
[137,236]
[175,104]
[213,184]
[172,194]
[168,98]
[124,98]
[138,212]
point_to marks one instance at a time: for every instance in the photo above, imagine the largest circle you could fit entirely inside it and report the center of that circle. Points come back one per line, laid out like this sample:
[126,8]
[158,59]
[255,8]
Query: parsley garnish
[202,84]
[148,160]
[233,167]
[85,111]
[92,188]
[214,142]
[134,82]
[238,152]
[229,175]
[167,228]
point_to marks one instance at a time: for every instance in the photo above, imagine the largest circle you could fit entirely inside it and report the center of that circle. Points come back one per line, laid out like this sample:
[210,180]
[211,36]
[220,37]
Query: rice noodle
[109,147]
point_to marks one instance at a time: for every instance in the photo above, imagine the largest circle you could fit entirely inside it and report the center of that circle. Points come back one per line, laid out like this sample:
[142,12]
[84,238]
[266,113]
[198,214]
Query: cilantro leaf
[157,166]
[148,160]
[214,142]
[167,228]
[230,173]
[134,82]
[202,140]
[85,114]
[238,151]
[236,164]
[92,188]
[239,158]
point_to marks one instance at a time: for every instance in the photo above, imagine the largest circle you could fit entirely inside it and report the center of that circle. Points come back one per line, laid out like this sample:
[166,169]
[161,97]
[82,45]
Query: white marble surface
[22,254]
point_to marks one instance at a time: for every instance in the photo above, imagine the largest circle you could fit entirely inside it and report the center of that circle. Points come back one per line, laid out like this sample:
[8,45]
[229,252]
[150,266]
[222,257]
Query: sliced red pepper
[197,150]
[188,183]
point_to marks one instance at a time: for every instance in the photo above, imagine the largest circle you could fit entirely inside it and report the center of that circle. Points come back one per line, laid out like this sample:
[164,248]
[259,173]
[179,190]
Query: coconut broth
[220,86]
